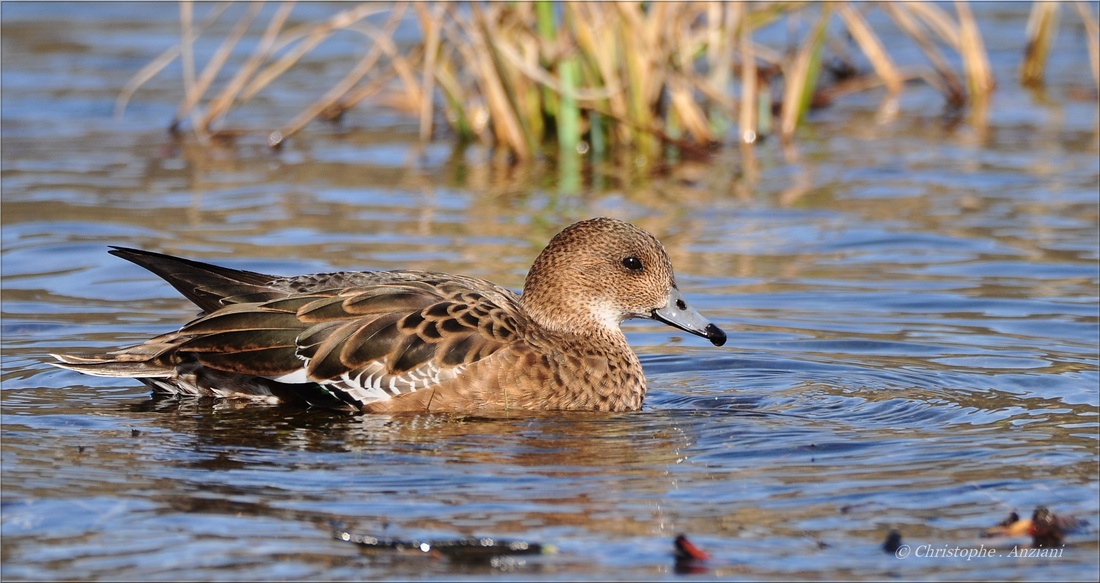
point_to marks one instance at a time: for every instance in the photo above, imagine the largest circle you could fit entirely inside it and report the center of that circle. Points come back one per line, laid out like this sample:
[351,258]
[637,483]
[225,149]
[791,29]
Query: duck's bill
[678,314]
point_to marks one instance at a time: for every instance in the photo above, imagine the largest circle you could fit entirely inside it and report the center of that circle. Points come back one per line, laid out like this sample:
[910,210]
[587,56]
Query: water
[912,308]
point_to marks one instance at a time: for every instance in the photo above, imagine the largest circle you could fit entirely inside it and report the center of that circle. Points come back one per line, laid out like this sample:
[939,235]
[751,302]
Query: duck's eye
[632,263]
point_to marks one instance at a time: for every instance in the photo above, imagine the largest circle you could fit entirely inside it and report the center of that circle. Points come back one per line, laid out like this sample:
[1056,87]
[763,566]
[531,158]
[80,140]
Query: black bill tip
[715,334]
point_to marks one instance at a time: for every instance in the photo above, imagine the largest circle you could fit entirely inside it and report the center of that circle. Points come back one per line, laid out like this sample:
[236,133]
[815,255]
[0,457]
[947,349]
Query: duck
[412,341]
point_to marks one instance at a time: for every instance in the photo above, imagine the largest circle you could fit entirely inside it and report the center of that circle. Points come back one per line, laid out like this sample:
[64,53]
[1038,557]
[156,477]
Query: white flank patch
[372,384]
[297,377]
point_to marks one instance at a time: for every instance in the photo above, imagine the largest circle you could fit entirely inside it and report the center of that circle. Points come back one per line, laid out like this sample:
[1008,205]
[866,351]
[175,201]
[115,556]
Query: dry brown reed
[630,80]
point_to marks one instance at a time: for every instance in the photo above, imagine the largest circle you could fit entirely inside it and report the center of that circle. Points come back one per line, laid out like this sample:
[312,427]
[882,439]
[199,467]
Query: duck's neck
[612,373]
[573,318]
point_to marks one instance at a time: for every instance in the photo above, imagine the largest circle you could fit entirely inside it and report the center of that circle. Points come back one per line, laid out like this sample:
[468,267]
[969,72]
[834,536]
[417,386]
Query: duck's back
[356,338]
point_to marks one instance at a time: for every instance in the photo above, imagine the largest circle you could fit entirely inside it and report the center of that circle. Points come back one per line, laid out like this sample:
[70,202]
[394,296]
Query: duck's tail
[190,379]
[152,359]
[209,286]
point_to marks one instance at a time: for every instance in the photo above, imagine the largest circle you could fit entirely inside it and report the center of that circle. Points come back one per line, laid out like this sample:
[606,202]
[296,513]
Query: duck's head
[598,272]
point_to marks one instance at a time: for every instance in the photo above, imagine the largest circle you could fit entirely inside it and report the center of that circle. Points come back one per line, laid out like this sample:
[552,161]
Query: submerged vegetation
[612,79]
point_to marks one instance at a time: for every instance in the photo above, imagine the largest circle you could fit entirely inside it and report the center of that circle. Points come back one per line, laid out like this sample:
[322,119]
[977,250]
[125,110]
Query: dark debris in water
[473,550]
[689,558]
[892,543]
[1045,528]
[687,551]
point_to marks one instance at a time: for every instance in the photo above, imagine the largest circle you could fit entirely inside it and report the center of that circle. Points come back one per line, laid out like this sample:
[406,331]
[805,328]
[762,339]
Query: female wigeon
[397,341]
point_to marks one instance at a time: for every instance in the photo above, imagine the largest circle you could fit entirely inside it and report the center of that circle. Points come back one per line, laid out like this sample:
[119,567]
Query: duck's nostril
[681,305]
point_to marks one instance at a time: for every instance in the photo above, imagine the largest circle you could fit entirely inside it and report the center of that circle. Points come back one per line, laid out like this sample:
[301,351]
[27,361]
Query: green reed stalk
[801,77]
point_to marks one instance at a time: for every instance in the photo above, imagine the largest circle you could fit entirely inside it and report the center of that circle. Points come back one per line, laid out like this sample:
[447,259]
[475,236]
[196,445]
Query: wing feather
[374,336]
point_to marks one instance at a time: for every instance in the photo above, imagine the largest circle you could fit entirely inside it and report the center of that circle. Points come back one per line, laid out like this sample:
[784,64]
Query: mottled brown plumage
[418,341]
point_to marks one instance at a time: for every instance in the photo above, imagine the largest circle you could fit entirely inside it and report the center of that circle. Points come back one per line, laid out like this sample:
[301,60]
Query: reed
[1092,35]
[633,81]
[979,76]
[1041,27]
